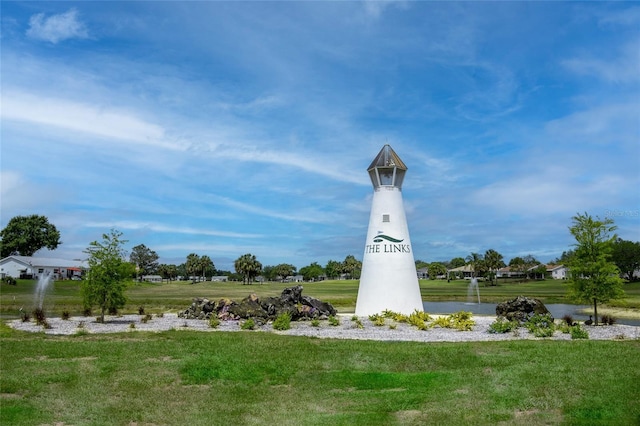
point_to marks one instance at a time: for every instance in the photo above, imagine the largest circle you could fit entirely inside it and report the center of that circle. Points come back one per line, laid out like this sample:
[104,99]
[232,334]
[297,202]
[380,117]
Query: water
[473,285]
[558,310]
[44,283]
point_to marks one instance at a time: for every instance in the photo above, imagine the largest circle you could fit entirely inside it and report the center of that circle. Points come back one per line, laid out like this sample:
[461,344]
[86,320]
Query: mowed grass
[253,378]
[175,296]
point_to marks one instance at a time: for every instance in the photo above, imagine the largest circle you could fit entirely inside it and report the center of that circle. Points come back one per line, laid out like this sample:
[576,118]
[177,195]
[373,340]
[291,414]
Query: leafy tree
[517,264]
[311,272]
[192,265]
[626,256]
[593,275]
[564,259]
[352,267]
[456,262]
[332,269]
[436,269]
[248,267]
[284,270]
[25,235]
[105,281]
[493,261]
[269,274]
[145,259]
[421,264]
[168,272]
[476,262]
[530,262]
[206,267]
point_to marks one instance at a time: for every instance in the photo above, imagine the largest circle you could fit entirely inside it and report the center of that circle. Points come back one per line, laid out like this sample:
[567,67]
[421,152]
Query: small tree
[105,282]
[436,269]
[25,235]
[332,269]
[594,278]
[311,272]
[145,259]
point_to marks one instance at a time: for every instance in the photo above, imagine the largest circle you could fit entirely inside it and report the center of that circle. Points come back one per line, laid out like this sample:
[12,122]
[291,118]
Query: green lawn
[175,296]
[223,378]
[179,376]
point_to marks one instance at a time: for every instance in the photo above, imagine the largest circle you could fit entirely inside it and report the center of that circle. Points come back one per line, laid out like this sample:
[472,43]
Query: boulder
[290,301]
[521,309]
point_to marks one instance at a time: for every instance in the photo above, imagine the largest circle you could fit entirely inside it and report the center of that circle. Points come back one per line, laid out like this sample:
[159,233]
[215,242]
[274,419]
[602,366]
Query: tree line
[596,264]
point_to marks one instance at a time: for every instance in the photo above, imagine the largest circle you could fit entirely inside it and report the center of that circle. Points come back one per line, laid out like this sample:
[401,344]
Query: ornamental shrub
[282,322]
[249,324]
[502,325]
[578,332]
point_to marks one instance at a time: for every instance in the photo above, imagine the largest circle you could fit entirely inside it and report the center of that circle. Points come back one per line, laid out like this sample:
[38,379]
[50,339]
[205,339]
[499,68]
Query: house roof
[45,262]
[464,268]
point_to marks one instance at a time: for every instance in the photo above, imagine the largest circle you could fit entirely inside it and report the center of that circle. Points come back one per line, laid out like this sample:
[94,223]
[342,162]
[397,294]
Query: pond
[558,310]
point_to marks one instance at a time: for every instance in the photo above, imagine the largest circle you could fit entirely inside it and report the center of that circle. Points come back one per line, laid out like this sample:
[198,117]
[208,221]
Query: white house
[33,267]
[558,272]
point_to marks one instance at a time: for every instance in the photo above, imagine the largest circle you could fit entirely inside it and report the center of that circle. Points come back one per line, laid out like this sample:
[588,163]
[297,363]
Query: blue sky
[225,128]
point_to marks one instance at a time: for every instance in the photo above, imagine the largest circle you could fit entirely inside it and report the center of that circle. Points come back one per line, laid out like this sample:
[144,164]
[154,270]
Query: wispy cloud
[99,121]
[622,65]
[158,227]
[57,28]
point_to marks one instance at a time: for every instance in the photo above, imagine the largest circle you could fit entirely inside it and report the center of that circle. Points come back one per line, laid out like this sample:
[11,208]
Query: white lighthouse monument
[389,280]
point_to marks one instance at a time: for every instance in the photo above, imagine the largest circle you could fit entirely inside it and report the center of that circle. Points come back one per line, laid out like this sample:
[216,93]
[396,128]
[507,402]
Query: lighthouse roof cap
[387,158]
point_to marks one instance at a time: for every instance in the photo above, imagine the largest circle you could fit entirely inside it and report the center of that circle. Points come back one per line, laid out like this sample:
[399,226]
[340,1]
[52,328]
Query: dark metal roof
[387,158]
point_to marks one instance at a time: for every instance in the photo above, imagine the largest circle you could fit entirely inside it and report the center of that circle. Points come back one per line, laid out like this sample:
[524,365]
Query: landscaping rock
[521,309]
[290,301]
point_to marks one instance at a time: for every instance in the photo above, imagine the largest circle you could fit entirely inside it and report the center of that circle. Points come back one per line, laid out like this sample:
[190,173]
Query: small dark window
[385,218]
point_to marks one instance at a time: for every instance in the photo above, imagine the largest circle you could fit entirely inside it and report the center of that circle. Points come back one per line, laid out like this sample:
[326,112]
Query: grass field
[174,296]
[251,378]
[244,378]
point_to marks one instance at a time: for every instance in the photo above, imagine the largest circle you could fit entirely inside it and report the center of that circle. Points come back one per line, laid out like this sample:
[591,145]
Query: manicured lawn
[175,296]
[195,378]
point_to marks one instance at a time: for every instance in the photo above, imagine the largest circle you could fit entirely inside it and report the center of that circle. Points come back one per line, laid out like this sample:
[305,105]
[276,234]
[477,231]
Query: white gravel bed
[346,330]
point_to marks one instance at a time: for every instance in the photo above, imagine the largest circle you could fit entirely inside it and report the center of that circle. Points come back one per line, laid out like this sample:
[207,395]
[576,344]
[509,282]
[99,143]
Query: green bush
[377,319]
[249,324]
[462,321]
[541,325]
[214,322]
[416,320]
[334,321]
[502,325]
[282,322]
[578,332]
[9,280]
[315,322]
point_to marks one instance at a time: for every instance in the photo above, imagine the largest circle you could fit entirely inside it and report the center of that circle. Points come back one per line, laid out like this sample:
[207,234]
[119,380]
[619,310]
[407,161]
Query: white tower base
[389,280]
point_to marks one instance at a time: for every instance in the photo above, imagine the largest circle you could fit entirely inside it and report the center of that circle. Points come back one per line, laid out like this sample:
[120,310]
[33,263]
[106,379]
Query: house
[558,272]
[509,272]
[465,272]
[220,278]
[152,278]
[423,273]
[34,267]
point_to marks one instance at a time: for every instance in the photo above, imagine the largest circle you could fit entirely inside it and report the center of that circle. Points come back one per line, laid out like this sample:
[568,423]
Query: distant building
[220,278]
[34,267]
[152,278]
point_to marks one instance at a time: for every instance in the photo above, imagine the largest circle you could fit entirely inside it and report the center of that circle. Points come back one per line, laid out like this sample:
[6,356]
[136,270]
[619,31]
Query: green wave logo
[378,239]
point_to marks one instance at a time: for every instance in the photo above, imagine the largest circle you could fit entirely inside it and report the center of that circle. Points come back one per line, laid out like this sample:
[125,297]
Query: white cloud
[624,67]
[156,227]
[57,28]
[100,121]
